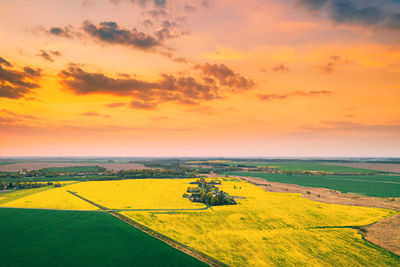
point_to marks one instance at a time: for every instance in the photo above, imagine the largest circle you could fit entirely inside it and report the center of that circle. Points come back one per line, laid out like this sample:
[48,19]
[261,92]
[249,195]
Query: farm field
[268,229]
[308,166]
[120,194]
[369,185]
[40,165]
[52,198]
[264,229]
[386,167]
[137,193]
[73,238]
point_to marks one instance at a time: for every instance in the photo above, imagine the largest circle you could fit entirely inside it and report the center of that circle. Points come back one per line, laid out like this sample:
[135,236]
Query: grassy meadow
[369,185]
[72,238]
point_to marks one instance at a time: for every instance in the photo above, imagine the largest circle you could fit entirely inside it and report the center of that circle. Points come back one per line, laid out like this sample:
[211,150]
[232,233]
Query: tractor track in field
[169,241]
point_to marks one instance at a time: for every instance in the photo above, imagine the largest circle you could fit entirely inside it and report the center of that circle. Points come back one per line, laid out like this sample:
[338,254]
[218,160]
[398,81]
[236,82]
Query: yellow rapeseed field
[47,198]
[267,229]
[138,193]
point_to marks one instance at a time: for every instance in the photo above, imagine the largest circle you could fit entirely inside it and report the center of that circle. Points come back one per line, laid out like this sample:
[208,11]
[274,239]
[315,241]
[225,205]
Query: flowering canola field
[122,194]
[268,228]
[263,229]
[46,198]
[138,193]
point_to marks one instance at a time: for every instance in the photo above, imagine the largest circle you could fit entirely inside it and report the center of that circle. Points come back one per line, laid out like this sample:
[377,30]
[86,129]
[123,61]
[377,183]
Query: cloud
[169,30]
[280,67]
[66,32]
[355,12]
[110,33]
[144,3]
[269,97]
[15,84]
[94,114]
[147,23]
[225,76]
[5,62]
[8,117]
[353,127]
[213,82]
[32,73]
[45,56]
[189,8]
[115,105]
[333,62]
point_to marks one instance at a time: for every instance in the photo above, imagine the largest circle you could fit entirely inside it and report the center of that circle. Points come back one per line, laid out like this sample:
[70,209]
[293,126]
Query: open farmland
[137,193]
[386,167]
[120,194]
[309,166]
[72,238]
[370,185]
[14,167]
[267,229]
[263,229]
[53,198]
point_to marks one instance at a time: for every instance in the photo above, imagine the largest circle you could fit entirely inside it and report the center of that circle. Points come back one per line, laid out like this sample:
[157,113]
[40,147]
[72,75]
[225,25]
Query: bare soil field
[386,167]
[384,233]
[39,165]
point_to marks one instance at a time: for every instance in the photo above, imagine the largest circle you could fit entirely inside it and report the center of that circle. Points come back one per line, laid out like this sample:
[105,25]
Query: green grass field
[370,185]
[74,238]
[306,166]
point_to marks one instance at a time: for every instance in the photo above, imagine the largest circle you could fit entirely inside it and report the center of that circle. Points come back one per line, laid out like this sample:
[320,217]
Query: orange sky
[199,78]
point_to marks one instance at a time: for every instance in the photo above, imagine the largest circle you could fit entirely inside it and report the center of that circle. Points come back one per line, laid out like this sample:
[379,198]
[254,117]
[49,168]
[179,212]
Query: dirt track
[39,165]
[384,233]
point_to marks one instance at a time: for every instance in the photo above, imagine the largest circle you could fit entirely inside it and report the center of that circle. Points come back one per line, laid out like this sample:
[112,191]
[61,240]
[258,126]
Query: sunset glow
[199,78]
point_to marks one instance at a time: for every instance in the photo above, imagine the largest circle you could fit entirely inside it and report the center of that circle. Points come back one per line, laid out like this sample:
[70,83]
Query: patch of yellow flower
[47,198]
[267,229]
[138,193]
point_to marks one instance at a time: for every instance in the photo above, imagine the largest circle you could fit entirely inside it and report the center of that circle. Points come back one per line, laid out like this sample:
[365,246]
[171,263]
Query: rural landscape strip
[169,241]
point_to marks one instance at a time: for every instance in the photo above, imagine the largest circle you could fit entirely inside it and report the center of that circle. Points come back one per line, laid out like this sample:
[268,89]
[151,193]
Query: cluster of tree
[208,193]
[25,185]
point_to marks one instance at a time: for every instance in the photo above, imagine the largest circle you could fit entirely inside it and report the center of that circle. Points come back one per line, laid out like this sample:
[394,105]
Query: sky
[240,78]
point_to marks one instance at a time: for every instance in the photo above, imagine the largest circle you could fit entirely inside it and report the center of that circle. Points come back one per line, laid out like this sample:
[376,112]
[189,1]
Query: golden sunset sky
[199,78]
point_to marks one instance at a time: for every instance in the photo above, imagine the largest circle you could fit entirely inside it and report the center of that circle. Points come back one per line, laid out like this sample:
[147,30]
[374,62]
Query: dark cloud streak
[354,12]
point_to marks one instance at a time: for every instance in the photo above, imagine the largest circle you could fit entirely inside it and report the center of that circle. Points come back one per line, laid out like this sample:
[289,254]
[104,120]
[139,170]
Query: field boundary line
[167,240]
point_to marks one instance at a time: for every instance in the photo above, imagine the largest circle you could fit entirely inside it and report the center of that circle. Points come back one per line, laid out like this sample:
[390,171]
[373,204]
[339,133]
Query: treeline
[25,185]
[56,172]
[156,173]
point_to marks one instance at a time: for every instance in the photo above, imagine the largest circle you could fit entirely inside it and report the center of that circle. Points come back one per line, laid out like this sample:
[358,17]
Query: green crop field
[75,238]
[306,166]
[370,185]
